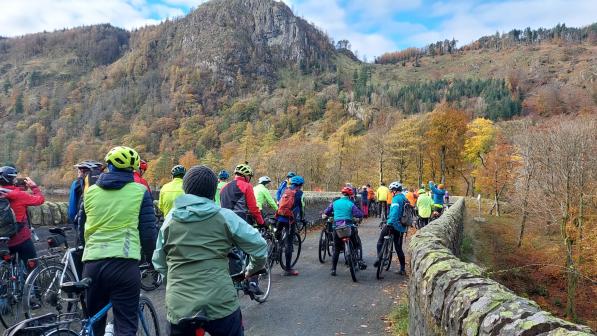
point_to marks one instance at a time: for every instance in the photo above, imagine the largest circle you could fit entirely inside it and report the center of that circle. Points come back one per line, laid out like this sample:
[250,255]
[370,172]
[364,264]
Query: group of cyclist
[206,216]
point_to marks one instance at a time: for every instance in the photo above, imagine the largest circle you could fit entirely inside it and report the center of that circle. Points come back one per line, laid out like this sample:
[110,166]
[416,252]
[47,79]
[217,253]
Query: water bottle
[109,329]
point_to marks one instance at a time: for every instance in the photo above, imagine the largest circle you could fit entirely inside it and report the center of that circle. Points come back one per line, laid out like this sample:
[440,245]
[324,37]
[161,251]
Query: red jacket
[139,179]
[19,201]
[239,197]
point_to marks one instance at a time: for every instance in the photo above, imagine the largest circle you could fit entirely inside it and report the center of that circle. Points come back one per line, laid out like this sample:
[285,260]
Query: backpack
[408,214]
[287,203]
[8,222]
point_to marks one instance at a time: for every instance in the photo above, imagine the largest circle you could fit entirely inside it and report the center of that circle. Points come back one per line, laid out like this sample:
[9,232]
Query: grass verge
[399,318]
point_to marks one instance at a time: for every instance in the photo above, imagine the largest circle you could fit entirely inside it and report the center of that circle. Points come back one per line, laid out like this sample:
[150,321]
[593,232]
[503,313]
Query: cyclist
[238,196]
[223,177]
[411,196]
[394,226]
[382,196]
[371,198]
[438,194]
[284,184]
[138,174]
[262,194]
[364,201]
[87,173]
[192,250]
[424,208]
[171,190]
[343,210]
[119,224]
[290,210]
[19,200]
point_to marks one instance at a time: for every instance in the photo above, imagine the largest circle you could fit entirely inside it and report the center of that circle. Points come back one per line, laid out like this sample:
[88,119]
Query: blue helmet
[291,174]
[223,175]
[297,180]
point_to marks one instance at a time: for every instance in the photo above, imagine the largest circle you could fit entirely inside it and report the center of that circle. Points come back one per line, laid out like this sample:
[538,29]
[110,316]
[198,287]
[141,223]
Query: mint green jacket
[191,252]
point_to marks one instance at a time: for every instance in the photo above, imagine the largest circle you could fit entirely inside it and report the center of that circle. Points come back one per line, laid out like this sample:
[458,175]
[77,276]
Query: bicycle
[12,279]
[351,253]
[326,240]
[42,287]
[259,278]
[385,258]
[301,229]
[277,247]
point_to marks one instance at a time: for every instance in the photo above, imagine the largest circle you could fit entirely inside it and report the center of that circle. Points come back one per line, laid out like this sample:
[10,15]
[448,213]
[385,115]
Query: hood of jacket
[115,179]
[190,208]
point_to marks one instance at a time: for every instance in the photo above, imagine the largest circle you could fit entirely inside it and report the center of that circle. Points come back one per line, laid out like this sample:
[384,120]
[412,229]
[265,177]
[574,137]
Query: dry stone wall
[48,214]
[450,297]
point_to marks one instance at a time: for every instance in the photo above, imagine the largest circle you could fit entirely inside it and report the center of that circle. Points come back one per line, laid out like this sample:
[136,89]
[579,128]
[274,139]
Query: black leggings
[289,240]
[383,209]
[398,239]
[26,251]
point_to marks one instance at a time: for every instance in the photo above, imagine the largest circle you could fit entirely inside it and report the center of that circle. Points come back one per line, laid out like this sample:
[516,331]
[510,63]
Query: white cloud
[24,17]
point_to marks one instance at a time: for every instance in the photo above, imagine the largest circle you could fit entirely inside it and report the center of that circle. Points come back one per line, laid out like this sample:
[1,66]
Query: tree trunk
[525,210]
[442,156]
[420,169]
[381,166]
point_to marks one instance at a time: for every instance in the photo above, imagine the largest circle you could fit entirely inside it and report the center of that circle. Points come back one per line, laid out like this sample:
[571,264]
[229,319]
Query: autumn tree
[188,160]
[499,171]
[479,141]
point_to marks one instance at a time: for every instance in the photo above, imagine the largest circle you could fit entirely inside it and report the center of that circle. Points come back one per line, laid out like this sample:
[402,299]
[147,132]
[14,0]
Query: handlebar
[241,276]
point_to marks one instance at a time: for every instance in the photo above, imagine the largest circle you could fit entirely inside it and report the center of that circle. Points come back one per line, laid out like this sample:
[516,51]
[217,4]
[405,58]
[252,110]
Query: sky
[372,26]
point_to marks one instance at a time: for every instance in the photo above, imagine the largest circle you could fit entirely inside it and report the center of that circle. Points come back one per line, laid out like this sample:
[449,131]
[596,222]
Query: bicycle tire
[47,279]
[390,253]
[11,306]
[267,279]
[302,231]
[359,249]
[296,252]
[349,253]
[62,332]
[323,246]
[382,260]
[149,323]
[155,280]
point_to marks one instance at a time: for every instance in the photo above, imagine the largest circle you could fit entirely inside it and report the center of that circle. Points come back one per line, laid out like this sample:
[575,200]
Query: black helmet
[178,171]
[89,164]
[8,174]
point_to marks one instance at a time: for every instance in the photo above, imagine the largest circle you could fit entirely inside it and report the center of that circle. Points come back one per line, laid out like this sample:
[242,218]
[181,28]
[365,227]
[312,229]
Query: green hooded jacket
[192,253]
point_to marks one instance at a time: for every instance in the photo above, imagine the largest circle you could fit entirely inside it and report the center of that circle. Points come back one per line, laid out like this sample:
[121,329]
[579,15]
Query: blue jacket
[438,194]
[396,210]
[147,221]
[74,198]
[343,209]
[298,207]
[281,189]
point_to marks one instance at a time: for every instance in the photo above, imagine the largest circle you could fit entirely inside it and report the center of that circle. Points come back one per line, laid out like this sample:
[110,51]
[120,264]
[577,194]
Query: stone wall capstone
[450,297]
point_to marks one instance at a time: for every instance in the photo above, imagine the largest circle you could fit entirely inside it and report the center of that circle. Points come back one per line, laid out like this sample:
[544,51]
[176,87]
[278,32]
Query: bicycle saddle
[195,321]
[61,230]
[76,287]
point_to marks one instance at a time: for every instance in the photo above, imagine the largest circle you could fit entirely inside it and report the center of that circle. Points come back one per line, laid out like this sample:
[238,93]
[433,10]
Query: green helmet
[178,170]
[243,169]
[123,157]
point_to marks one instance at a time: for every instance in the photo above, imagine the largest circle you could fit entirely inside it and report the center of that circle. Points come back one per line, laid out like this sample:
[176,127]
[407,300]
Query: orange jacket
[412,198]
[370,194]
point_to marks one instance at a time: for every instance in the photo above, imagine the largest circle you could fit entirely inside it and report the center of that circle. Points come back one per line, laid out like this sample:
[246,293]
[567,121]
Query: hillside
[247,80]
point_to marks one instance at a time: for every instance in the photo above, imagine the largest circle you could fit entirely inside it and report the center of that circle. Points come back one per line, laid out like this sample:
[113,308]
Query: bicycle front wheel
[42,293]
[323,245]
[383,259]
[149,324]
[11,289]
[265,283]
[302,231]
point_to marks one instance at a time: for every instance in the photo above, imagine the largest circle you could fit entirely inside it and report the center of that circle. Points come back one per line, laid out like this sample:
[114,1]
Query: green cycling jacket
[221,185]
[113,233]
[191,252]
[169,192]
[262,196]
[424,205]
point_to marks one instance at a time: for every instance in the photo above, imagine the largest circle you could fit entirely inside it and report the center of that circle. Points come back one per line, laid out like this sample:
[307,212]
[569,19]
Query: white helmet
[265,179]
[395,186]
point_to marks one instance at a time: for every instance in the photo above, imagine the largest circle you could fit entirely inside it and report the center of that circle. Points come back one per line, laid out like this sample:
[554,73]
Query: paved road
[315,303]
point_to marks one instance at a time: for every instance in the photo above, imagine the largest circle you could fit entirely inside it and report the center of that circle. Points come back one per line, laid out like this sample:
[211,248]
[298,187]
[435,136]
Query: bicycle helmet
[347,191]
[291,174]
[395,186]
[243,169]
[88,164]
[223,175]
[441,186]
[8,174]
[143,165]
[297,180]
[178,171]
[123,157]
[264,180]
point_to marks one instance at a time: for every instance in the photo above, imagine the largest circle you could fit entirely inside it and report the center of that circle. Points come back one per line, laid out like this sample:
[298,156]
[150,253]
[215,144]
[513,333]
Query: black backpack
[8,223]
[408,215]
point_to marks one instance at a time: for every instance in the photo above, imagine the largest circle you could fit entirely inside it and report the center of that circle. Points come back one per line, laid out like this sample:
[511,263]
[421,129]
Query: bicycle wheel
[323,246]
[296,241]
[359,248]
[349,253]
[149,324]
[11,289]
[389,254]
[302,230]
[150,279]
[265,283]
[42,292]
[62,332]
[331,245]
[382,260]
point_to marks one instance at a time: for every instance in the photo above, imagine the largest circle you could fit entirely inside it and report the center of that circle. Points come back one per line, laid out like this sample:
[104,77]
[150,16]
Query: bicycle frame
[88,328]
